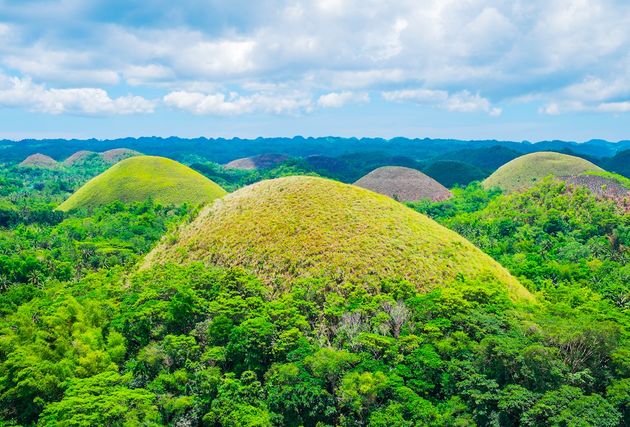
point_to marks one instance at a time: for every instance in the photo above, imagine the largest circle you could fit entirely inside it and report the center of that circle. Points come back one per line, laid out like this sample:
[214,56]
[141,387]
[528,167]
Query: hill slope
[525,171]
[262,161]
[604,185]
[142,177]
[39,160]
[404,184]
[298,227]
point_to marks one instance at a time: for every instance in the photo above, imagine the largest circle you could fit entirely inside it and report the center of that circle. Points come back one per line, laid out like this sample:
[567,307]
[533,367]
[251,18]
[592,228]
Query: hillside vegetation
[450,173]
[525,171]
[145,177]
[403,184]
[604,185]
[300,227]
[87,339]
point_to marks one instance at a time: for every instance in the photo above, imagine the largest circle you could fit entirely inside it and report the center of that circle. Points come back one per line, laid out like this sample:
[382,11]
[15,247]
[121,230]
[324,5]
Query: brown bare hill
[404,184]
[262,161]
[604,186]
[81,157]
[40,161]
[117,154]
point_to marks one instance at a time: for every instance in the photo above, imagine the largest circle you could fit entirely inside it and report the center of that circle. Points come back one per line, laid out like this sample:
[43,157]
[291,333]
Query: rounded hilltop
[39,161]
[404,184]
[525,171]
[142,177]
[299,227]
[108,157]
[81,157]
[262,161]
[117,154]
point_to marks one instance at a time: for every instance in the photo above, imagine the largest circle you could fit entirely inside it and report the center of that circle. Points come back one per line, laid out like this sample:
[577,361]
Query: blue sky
[473,69]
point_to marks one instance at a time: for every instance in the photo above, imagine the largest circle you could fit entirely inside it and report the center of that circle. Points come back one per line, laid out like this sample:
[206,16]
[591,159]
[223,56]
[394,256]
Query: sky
[467,69]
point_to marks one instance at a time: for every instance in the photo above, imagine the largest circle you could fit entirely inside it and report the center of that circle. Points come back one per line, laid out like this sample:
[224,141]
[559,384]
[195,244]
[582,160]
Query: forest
[87,338]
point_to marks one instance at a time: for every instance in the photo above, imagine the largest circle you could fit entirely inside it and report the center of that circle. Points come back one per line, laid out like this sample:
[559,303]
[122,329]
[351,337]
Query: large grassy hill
[143,177]
[300,227]
[525,171]
[403,184]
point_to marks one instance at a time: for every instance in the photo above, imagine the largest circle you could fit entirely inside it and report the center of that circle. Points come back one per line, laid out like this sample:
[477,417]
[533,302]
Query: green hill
[525,171]
[143,177]
[299,227]
[404,184]
[452,172]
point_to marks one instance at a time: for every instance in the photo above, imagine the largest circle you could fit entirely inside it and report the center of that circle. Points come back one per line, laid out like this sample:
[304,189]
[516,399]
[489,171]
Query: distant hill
[451,172]
[82,157]
[117,154]
[142,177]
[221,150]
[525,171]
[404,184]
[487,159]
[39,161]
[620,163]
[298,227]
[263,161]
[604,185]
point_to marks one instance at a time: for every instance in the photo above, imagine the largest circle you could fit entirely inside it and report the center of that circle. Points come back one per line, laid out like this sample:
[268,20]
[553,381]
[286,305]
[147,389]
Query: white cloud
[234,104]
[146,74]
[463,102]
[420,96]
[591,95]
[216,58]
[16,92]
[339,99]
[574,50]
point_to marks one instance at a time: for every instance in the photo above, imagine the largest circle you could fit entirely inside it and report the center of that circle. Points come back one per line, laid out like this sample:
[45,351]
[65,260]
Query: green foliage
[104,399]
[86,339]
[450,173]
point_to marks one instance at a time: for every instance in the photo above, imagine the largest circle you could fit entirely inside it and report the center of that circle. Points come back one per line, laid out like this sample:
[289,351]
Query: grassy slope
[142,177]
[297,227]
[525,171]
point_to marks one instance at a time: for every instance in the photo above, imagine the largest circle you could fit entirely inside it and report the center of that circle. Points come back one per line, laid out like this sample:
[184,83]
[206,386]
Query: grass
[523,172]
[142,177]
[301,227]
[404,184]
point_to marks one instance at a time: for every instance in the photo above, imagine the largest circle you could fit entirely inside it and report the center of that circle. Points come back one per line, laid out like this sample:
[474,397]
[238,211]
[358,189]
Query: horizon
[211,138]
[484,70]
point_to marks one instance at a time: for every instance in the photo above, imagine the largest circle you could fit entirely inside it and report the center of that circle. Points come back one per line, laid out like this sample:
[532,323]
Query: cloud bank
[295,57]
